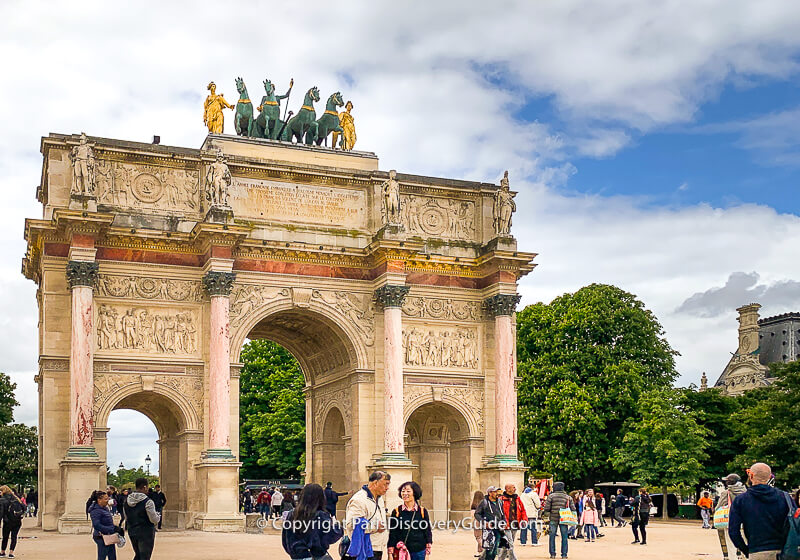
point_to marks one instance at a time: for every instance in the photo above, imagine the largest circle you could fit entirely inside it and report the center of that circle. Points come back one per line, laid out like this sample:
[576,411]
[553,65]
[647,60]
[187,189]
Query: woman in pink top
[589,517]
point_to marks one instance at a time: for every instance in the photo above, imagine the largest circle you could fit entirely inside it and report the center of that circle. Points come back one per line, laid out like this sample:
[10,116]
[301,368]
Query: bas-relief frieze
[146,186]
[440,217]
[440,347]
[441,308]
[135,329]
[246,298]
[162,289]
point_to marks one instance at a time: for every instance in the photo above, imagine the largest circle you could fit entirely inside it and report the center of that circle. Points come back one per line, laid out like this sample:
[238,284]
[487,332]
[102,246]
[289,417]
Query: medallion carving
[145,186]
[439,217]
[441,308]
[440,347]
[122,286]
[132,329]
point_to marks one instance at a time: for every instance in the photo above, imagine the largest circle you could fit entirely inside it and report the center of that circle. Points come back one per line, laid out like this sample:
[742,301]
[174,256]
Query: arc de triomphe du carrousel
[395,292]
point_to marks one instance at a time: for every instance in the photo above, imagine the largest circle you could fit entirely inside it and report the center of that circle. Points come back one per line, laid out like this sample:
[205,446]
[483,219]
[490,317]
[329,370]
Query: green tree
[768,422]
[665,445]
[272,412]
[584,360]
[19,444]
[125,478]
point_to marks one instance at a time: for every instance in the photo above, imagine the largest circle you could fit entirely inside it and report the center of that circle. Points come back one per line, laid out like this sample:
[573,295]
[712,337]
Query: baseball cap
[732,478]
[492,489]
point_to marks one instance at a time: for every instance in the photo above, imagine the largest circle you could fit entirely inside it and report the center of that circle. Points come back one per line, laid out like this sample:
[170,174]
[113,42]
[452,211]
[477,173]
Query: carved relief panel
[135,329]
[440,347]
[444,218]
[335,394]
[441,308]
[145,186]
[125,286]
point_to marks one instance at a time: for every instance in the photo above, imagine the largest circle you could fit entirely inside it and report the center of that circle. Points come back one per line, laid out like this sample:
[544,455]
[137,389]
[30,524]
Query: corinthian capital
[82,273]
[219,283]
[501,304]
[391,295]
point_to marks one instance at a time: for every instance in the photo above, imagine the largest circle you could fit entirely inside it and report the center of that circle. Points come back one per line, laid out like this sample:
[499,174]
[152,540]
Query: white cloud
[436,86]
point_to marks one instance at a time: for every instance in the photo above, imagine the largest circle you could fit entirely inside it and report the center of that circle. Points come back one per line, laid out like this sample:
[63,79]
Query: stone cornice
[501,304]
[219,283]
[391,295]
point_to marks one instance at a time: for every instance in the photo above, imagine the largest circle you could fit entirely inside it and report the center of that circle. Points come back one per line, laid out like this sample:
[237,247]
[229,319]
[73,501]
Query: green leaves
[584,360]
[18,443]
[7,399]
[125,478]
[272,438]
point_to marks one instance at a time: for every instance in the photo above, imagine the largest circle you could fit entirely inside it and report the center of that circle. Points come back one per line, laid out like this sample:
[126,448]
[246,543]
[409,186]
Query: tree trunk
[664,503]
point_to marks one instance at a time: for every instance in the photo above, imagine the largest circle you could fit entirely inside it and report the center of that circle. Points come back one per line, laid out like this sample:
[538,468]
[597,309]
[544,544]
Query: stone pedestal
[219,215]
[401,469]
[80,477]
[218,483]
[83,202]
[499,474]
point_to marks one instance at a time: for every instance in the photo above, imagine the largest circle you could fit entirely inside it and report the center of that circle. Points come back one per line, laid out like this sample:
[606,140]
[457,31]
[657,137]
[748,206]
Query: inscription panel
[287,202]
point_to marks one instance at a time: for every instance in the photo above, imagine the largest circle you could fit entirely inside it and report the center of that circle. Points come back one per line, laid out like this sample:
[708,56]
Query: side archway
[332,451]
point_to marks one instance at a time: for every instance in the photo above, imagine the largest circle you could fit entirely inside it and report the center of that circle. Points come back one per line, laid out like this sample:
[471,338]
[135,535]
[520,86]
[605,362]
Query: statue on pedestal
[504,207]
[212,110]
[391,199]
[218,179]
[83,165]
[347,123]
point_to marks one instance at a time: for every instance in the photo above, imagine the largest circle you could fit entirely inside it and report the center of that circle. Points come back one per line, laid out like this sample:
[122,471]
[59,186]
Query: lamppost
[121,466]
[147,461]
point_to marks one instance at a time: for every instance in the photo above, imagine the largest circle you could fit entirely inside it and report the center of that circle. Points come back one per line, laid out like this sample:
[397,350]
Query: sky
[654,145]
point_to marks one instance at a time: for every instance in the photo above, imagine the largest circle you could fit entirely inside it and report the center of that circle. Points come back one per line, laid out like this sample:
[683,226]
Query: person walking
[277,502]
[555,502]
[477,498]
[309,530]
[762,512]
[369,504]
[733,488]
[515,516]
[288,504]
[532,504]
[332,498]
[160,500]
[247,501]
[589,516]
[123,496]
[103,524]
[640,516]
[263,503]
[11,513]
[600,504]
[141,519]
[410,525]
[706,506]
[492,523]
[620,502]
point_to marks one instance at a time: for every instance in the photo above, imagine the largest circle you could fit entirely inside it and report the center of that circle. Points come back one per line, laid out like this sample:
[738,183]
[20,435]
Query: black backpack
[15,511]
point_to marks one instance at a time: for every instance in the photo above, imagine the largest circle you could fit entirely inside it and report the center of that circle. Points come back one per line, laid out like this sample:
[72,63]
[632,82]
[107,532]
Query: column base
[500,470]
[391,458]
[80,476]
[220,454]
[82,452]
[219,523]
[400,468]
[218,486]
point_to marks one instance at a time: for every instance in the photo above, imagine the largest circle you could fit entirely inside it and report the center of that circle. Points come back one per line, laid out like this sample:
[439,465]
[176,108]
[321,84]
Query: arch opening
[438,441]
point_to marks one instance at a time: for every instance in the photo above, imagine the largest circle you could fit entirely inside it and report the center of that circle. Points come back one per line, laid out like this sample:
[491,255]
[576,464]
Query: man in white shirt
[532,503]
[277,502]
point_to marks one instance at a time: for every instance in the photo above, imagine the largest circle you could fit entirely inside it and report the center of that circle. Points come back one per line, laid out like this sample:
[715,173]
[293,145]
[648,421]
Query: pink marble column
[505,398]
[81,277]
[219,286]
[391,297]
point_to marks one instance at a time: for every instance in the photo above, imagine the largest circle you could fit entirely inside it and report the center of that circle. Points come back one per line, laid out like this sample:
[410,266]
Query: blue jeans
[418,555]
[523,538]
[105,551]
[563,527]
[590,531]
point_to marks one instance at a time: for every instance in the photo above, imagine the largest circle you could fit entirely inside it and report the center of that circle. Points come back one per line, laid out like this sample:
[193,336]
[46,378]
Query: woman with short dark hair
[410,535]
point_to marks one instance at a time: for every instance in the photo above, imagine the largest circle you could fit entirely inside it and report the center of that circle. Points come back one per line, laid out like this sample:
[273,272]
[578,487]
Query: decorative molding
[219,283]
[441,308]
[162,289]
[355,307]
[501,304]
[391,295]
[82,273]
[443,218]
[332,395]
[53,364]
[246,298]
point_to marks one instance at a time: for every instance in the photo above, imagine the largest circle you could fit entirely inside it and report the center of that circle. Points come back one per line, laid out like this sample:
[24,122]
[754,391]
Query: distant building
[761,342]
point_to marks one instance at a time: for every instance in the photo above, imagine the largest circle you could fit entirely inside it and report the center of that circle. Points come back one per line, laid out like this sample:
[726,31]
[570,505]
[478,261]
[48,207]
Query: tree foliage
[769,422]
[665,445]
[272,416]
[125,478]
[19,443]
[584,360]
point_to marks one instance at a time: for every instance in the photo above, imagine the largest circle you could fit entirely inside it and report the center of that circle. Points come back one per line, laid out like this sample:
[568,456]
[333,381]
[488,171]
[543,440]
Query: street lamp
[147,461]
[121,466]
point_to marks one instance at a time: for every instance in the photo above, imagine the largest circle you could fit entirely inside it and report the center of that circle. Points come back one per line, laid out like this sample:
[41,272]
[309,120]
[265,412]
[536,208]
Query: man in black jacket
[619,508]
[160,500]
[762,510]
[490,518]
[331,498]
[141,518]
[556,501]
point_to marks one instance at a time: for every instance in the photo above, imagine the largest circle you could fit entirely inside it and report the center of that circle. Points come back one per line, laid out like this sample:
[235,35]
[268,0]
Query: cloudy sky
[654,145]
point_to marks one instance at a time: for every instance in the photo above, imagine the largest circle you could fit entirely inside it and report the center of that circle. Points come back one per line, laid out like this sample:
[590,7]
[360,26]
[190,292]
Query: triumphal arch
[395,292]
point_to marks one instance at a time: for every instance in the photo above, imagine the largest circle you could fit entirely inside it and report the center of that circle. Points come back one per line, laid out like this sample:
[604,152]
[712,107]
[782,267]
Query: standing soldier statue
[83,168]
[212,110]
[348,125]
[218,179]
[504,207]
[391,199]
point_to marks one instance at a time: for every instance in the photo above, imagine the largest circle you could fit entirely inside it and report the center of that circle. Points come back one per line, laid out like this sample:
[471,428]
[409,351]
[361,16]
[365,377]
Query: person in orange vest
[706,505]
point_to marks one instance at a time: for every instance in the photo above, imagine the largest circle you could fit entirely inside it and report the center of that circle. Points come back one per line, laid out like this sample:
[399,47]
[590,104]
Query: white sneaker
[536,544]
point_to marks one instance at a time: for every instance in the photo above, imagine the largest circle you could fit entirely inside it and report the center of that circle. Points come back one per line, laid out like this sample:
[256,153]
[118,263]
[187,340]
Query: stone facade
[147,293]
[761,342]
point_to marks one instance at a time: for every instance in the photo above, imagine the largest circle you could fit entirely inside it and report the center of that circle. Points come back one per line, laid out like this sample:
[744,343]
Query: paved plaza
[674,540]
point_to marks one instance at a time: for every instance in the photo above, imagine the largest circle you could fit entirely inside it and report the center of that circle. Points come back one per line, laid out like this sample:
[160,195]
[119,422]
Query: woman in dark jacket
[11,513]
[309,530]
[102,524]
[410,524]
